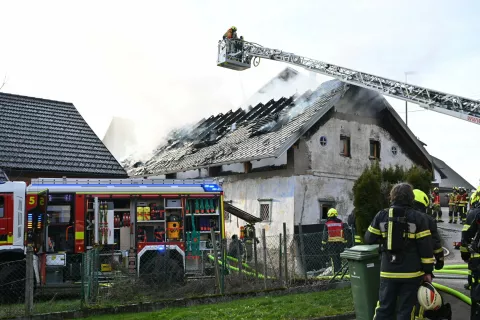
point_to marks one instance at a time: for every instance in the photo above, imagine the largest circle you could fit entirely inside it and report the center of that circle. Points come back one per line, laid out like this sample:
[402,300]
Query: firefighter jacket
[469,231]
[462,200]
[230,34]
[333,231]
[415,258]
[436,198]
[436,240]
[451,199]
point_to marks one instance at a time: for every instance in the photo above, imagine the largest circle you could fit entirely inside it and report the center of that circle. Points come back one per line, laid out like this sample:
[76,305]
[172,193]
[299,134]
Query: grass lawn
[8,311]
[295,306]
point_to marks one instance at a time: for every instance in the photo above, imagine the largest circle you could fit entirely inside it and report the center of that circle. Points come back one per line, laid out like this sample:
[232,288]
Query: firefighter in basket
[470,252]
[406,250]
[333,238]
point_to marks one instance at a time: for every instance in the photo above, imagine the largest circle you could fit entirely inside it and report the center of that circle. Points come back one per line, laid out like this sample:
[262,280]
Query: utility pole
[406,103]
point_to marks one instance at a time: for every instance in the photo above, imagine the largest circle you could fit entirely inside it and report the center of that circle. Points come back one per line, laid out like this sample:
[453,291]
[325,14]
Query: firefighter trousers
[452,213]
[475,296]
[334,249]
[397,297]
[462,213]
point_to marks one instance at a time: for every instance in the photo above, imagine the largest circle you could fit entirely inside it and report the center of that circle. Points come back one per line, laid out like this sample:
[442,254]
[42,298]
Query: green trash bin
[364,268]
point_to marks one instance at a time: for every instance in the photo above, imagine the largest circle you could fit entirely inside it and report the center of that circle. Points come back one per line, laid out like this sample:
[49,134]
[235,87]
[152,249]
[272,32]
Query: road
[452,232]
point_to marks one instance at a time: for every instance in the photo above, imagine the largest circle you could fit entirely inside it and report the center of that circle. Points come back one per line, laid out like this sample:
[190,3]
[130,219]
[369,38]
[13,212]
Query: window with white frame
[265,209]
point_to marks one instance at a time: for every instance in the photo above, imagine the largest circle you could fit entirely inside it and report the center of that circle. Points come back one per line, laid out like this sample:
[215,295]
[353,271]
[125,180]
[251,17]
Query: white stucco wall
[245,193]
[327,160]
[321,188]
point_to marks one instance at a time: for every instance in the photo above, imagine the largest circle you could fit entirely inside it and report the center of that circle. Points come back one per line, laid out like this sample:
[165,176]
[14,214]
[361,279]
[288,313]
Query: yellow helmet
[421,197]
[435,189]
[332,213]
[234,28]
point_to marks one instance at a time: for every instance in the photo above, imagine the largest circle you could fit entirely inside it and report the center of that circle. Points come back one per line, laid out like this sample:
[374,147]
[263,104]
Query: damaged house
[290,159]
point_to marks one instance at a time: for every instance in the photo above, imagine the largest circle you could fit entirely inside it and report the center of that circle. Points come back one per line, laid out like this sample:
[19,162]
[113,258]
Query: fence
[105,277]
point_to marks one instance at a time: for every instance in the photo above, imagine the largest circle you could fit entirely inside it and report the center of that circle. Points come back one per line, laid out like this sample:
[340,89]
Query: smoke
[285,84]
[268,126]
[306,101]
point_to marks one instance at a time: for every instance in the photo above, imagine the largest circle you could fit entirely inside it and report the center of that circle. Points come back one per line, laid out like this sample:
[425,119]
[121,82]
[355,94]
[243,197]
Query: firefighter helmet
[332,213]
[435,189]
[234,28]
[428,297]
[421,197]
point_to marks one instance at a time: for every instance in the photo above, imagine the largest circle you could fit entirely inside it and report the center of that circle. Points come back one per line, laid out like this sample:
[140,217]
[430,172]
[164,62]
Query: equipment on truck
[238,55]
[61,218]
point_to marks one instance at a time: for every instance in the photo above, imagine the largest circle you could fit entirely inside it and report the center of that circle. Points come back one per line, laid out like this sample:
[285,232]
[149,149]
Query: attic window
[345,146]
[394,150]
[323,141]
[374,150]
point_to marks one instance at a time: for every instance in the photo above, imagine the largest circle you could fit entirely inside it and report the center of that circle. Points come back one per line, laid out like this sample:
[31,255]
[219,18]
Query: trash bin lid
[360,252]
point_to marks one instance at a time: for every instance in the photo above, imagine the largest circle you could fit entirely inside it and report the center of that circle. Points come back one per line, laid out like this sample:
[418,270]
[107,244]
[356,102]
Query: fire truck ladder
[239,55]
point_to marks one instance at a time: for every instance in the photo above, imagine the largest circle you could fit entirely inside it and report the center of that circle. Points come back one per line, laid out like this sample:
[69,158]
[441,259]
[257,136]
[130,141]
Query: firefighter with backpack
[407,257]
[470,252]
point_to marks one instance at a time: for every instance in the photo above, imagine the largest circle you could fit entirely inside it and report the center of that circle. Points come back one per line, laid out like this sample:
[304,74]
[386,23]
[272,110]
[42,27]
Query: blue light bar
[211,188]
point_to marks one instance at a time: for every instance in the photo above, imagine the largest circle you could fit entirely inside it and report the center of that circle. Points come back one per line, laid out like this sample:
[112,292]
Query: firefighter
[462,201]
[352,223]
[406,254]
[421,203]
[333,238]
[235,250]
[231,33]
[470,253]
[437,209]
[451,205]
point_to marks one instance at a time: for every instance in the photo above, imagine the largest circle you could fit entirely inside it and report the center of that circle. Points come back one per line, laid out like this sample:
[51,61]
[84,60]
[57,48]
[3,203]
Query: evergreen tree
[367,197]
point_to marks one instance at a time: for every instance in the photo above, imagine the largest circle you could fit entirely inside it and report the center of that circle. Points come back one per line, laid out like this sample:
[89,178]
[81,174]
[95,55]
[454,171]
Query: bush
[371,190]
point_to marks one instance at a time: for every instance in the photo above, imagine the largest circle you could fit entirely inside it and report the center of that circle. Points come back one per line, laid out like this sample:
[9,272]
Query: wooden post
[280,271]
[285,251]
[264,243]
[29,282]
[215,256]
[302,252]
[255,253]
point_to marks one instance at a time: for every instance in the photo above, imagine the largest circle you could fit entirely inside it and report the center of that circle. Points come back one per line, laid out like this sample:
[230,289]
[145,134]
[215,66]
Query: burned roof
[264,131]
[50,136]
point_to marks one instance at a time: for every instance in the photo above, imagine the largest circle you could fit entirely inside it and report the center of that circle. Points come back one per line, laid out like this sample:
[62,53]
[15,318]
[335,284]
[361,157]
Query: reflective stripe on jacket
[333,231]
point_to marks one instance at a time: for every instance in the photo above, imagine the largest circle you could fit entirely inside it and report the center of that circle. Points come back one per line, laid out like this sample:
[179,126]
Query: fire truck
[138,220]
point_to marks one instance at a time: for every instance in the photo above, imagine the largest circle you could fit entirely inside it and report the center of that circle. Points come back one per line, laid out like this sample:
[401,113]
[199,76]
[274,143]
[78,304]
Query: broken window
[324,207]
[345,146]
[265,210]
[374,149]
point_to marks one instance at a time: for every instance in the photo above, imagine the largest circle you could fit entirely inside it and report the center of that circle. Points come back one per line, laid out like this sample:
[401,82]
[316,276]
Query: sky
[155,61]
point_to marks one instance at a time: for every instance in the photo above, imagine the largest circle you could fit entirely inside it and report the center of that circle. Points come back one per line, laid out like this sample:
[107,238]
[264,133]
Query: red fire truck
[138,220]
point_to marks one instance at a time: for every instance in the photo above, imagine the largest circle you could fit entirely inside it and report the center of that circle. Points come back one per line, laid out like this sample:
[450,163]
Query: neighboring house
[46,138]
[291,159]
[446,179]
[120,137]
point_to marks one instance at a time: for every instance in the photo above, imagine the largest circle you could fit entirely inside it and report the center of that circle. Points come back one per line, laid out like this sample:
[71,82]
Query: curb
[187,302]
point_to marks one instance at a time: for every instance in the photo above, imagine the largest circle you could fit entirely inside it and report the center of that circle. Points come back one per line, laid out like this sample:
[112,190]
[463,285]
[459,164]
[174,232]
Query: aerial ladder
[239,55]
